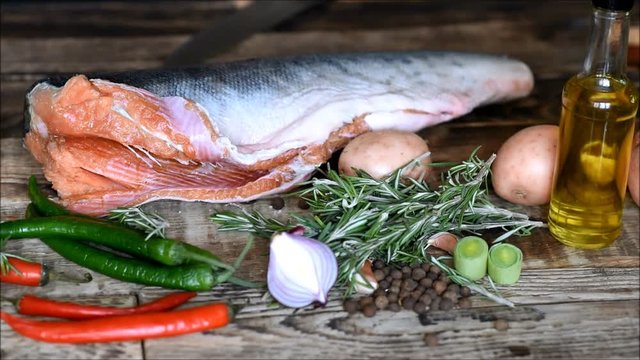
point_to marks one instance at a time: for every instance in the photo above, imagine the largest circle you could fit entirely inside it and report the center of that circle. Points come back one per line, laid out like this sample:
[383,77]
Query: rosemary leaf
[151,224]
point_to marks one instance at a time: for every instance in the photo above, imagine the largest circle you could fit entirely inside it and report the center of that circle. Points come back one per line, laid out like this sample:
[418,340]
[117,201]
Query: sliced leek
[505,264]
[470,257]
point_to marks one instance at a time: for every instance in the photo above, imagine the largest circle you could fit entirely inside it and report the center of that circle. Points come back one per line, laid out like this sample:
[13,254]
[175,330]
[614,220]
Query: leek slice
[470,257]
[505,264]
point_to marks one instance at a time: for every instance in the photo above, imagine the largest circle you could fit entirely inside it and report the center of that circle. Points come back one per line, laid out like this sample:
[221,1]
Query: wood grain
[115,53]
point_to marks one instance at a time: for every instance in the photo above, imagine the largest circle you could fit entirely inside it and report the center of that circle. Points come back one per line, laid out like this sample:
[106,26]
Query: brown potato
[523,170]
[379,153]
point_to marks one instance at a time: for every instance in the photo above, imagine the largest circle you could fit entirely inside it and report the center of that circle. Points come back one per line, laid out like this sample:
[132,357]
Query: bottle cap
[615,5]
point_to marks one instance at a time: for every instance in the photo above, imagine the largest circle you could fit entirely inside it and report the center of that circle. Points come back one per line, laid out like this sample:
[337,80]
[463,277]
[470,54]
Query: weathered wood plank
[15,346]
[119,18]
[114,53]
[123,18]
[539,331]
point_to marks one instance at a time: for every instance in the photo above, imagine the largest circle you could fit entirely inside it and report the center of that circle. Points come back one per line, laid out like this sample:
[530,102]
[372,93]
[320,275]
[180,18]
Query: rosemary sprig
[362,218]
[152,224]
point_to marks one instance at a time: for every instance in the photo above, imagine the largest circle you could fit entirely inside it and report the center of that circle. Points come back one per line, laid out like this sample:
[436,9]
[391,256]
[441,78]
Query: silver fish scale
[279,92]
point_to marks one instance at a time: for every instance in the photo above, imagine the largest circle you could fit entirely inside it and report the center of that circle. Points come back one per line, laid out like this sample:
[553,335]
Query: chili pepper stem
[236,264]
[234,309]
[244,283]
[208,259]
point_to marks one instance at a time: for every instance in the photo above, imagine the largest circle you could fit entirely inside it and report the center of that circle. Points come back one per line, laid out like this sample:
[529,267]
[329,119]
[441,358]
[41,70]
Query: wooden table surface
[570,303]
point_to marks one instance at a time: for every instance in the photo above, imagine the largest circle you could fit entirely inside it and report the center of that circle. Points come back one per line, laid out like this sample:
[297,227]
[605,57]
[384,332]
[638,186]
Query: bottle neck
[608,44]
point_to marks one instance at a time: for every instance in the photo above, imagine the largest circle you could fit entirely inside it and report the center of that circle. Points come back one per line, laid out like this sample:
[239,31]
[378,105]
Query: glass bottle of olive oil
[599,108]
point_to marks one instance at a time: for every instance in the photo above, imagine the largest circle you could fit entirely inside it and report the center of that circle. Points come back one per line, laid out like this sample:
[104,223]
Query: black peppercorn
[418,274]
[420,307]
[381,302]
[277,203]
[396,274]
[395,307]
[454,288]
[439,286]
[383,284]
[425,299]
[377,292]
[406,269]
[392,297]
[351,306]
[464,303]
[434,269]
[365,300]
[409,284]
[408,303]
[450,295]
[369,310]
[432,292]
[426,282]
[435,304]
[446,304]
[378,274]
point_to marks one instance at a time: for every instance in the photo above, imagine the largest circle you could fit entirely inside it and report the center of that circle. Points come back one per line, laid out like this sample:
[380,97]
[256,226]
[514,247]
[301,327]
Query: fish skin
[262,108]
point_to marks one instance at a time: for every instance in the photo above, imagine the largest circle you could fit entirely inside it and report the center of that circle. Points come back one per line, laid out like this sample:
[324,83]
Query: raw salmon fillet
[238,131]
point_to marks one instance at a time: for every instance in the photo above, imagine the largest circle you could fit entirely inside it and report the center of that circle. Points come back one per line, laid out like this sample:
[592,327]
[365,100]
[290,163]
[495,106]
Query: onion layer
[301,270]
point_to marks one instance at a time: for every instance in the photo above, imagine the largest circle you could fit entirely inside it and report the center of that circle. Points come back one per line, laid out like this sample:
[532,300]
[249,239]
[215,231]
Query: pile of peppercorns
[422,288]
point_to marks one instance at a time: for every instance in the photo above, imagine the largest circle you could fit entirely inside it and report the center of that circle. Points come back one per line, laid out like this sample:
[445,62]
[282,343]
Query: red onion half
[301,270]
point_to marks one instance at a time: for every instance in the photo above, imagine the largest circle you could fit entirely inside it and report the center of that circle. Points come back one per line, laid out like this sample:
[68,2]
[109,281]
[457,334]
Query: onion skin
[523,170]
[365,275]
[634,170]
[444,241]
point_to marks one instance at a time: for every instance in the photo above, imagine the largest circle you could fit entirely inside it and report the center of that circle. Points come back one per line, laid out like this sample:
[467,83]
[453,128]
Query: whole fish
[238,131]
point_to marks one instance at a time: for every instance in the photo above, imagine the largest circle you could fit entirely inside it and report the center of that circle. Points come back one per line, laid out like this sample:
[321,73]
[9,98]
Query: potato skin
[379,153]
[523,170]
[634,170]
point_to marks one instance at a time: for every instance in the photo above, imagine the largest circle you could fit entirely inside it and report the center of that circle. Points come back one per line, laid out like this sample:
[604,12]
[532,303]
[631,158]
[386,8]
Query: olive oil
[596,130]
[599,108]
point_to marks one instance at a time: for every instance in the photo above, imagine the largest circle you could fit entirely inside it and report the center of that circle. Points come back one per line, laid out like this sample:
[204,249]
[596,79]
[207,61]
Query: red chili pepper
[33,305]
[125,327]
[30,273]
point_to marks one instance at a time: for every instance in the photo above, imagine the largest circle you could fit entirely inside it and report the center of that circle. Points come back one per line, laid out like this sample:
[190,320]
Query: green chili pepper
[164,251]
[115,235]
[193,277]
[118,236]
